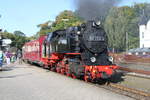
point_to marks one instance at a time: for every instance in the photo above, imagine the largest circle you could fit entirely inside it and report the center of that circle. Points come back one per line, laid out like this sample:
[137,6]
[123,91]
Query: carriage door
[44,49]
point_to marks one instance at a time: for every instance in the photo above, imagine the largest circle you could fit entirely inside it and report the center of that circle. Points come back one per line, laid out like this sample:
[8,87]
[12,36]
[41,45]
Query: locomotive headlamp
[110,58]
[98,23]
[93,59]
[78,32]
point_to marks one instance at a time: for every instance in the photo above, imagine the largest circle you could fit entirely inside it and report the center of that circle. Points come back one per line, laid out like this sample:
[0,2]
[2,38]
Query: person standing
[19,56]
[8,58]
[13,58]
[1,59]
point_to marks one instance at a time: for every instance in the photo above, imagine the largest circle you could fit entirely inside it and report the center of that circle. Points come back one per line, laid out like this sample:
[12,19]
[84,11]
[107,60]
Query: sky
[25,15]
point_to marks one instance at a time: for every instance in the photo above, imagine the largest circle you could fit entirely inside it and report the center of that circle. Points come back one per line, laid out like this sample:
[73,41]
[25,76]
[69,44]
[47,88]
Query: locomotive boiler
[78,52]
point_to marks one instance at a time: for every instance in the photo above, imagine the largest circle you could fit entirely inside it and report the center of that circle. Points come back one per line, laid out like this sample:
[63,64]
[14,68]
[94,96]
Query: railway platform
[28,82]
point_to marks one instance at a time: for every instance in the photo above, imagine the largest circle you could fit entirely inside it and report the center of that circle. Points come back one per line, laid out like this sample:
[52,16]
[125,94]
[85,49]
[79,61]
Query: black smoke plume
[94,9]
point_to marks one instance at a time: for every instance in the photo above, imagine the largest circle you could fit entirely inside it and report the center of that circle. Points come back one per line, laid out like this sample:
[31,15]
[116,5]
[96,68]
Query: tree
[125,20]
[67,19]
[19,33]
[44,28]
[116,25]
[64,20]
[20,39]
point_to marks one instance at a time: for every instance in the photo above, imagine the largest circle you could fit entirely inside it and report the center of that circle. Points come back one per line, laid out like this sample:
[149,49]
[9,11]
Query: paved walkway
[24,82]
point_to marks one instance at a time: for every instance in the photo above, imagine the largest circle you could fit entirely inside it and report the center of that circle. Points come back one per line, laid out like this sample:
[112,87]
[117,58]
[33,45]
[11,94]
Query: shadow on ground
[6,69]
[14,76]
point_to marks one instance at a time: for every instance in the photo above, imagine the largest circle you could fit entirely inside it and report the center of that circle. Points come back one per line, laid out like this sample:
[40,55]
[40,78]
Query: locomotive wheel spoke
[49,68]
[53,69]
[73,76]
[86,79]
[68,74]
[57,70]
[62,71]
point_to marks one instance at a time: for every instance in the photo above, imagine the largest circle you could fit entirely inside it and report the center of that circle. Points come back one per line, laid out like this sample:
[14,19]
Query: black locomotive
[79,51]
[89,39]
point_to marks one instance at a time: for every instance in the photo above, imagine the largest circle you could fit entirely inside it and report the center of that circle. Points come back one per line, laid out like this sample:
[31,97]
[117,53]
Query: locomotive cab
[62,41]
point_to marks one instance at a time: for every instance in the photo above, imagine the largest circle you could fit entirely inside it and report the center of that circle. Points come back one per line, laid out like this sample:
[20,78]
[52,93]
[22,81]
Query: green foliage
[18,38]
[19,33]
[44,28]
[64,20]
[122,21]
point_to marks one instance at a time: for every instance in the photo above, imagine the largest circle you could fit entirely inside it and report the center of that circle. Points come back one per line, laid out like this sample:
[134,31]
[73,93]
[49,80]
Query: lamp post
[0,39]
[127,46]
[0,36]
[1,52]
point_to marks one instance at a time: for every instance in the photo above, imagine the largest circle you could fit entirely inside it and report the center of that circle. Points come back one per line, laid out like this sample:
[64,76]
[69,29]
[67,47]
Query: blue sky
[25,15]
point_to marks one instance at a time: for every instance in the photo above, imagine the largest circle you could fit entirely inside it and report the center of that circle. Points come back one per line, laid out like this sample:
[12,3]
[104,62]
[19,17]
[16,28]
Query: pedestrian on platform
[13,58]
[1,60]
[7,58]
[20,57]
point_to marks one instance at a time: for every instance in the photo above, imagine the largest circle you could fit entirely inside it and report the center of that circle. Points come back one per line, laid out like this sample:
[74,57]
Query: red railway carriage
[32,51]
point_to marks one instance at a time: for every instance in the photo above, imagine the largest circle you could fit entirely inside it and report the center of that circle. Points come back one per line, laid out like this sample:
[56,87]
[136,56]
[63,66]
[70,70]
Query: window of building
[142,34]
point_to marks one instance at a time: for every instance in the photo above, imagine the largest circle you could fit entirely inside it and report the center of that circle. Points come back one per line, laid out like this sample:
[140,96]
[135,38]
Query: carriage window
[49,36]
[44,50]
[47,51]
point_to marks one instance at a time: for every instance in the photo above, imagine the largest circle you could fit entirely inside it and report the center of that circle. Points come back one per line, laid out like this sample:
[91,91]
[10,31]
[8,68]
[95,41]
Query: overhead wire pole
[1,53]
[0,37]
[127,42]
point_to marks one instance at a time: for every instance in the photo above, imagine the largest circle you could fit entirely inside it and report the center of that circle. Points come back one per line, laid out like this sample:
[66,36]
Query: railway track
[137,75]
[119,89]
[134,70]
[123,90]
[133,93]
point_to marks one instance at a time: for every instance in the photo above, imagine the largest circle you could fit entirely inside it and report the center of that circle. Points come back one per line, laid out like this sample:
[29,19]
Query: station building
[144,35]
[144,30]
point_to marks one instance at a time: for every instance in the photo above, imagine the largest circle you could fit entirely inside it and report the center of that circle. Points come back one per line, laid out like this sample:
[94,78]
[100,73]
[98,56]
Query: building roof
[143,20]
[139,50]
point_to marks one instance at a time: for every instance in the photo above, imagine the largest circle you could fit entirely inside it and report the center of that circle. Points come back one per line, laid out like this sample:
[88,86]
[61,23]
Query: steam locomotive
[78,52]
